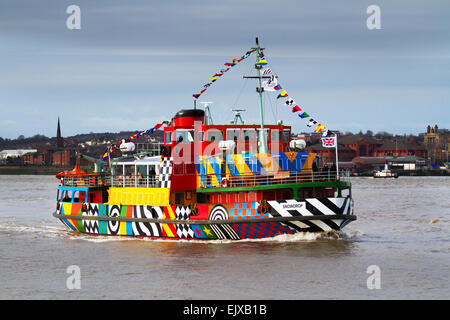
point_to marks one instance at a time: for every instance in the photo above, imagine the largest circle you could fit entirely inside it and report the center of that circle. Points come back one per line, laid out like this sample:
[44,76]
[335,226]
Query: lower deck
[232,221]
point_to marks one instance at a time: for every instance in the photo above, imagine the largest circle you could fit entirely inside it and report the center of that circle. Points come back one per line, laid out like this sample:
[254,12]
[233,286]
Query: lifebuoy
[224,182]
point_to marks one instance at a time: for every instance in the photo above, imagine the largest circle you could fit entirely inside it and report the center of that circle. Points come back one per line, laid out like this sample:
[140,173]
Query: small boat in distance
[385,173]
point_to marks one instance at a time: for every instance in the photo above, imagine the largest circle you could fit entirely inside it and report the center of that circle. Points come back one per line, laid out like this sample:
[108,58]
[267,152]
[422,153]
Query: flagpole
[337,160]
[109,158]
[262,138]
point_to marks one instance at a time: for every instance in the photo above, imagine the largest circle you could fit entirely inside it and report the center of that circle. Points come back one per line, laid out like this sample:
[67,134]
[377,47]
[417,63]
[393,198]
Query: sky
[135,63]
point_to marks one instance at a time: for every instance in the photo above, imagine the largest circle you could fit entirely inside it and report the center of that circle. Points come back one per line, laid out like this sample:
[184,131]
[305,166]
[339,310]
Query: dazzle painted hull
[233,221]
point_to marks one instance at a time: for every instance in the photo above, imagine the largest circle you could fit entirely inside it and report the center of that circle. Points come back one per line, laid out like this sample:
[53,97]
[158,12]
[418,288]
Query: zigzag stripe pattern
[91,226]
[313,207]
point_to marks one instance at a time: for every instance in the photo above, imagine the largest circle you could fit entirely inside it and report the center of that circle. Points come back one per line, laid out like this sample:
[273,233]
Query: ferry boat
[208,182]
[385,173]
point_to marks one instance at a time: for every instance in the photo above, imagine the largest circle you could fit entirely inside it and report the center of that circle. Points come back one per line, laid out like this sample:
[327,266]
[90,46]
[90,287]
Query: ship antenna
[237,116]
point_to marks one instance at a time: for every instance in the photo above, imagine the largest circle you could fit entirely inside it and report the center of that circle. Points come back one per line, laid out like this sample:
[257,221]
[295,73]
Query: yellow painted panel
[212,174]
[268,162]
[123,228]
[309,161]
[241,166]
[67,206]
[139,196]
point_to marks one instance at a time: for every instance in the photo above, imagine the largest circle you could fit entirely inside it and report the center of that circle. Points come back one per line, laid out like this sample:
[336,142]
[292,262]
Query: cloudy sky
[135,63]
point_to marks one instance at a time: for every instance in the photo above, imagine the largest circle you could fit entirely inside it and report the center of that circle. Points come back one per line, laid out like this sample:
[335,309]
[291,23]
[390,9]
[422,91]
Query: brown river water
[403,231]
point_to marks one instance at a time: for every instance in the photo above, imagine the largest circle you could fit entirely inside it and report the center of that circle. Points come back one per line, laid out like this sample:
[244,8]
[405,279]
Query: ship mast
[262,136]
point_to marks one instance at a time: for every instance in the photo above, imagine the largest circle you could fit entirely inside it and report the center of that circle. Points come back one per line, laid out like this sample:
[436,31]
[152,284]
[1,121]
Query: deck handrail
[95,180]
[272,178]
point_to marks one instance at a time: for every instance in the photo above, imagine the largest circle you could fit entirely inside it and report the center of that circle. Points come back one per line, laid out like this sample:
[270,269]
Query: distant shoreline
[44,170]
[34,170]
[419,173]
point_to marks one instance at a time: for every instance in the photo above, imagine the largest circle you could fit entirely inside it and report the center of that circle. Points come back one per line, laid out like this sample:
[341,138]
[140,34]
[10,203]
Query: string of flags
[222,71]
[273,85]
[135,136]
[108,151]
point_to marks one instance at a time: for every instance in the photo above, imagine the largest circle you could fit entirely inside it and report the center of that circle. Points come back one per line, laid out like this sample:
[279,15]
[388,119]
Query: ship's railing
[85,180]
[134,181]
[96,180]
[273,178]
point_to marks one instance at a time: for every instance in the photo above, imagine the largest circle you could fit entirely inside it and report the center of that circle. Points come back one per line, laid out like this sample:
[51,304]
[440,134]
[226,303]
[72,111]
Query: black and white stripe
[149,229]
[218,213]
[313,207]
[224,231]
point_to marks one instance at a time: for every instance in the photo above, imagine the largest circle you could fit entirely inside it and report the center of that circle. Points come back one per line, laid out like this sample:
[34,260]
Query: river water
[402,232]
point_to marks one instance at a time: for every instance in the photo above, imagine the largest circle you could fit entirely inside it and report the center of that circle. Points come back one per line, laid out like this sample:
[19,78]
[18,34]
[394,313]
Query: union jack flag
[329,142]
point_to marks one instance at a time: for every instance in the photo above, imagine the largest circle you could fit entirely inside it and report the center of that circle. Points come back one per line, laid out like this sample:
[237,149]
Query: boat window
[180,137]
[141,172]
[179,197]
[178,169]
[266,133]
[286,135]
[184,136]
[190,168]
[248,134]
[168,137]
[79,196]
[214,135]
[203,198]
[275,135]
[190,136]
[129,170]
[233,134]
[66,196]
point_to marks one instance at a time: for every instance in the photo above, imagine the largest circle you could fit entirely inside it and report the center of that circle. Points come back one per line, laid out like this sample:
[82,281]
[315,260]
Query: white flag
[311,122]
[290,102]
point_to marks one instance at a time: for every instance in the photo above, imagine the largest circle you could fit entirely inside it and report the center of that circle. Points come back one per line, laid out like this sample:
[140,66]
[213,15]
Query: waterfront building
[437,143]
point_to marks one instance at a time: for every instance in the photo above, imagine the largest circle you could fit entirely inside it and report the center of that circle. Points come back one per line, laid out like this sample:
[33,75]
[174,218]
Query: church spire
[59,139]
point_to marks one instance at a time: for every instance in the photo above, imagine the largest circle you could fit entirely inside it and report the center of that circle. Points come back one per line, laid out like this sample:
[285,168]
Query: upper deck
[201,156]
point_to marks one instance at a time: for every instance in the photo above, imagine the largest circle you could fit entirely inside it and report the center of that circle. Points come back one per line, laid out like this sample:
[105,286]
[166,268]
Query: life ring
[224,182]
